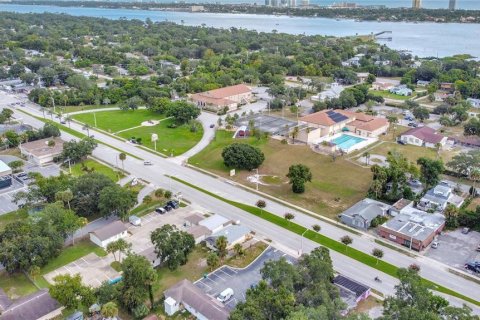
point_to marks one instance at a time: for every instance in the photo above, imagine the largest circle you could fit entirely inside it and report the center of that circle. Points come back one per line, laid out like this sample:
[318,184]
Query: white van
[225,295]
[136,221]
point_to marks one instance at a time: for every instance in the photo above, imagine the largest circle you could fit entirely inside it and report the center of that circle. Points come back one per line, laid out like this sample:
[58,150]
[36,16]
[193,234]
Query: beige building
[42,151]
[218,99]
[36,306]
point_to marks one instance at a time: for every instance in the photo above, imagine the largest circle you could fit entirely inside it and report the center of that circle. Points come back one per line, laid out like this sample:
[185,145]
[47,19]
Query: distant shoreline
[359,14]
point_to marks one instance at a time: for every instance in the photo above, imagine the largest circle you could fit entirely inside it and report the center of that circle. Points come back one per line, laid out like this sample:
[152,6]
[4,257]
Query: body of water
[422,39]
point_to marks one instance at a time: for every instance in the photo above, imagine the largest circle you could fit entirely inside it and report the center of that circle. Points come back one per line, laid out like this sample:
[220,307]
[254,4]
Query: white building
[234,234]
[42,151]
[215,223]
[108,233]
[475,103]
[331,93]
[423,137]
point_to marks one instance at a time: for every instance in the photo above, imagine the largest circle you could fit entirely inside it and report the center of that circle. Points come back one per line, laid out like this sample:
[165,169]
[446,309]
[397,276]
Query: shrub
[242,156]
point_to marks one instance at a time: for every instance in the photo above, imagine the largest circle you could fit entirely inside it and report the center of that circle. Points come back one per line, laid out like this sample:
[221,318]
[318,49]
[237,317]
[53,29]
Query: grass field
[114,121]
[97,167]
[389,95]
[16,285]
[251,254]
[69,109]
[411,152]
[170,140]
[335,185]
[12,216]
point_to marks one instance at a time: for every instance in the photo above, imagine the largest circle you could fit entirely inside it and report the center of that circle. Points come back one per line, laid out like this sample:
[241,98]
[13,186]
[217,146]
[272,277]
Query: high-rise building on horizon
[267,3]
[452,5]
[416,4]
[305,3]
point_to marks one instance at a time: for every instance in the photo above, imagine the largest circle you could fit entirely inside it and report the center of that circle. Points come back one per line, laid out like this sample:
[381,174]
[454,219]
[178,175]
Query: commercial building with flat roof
[42,151]
[227,97]
[5,175]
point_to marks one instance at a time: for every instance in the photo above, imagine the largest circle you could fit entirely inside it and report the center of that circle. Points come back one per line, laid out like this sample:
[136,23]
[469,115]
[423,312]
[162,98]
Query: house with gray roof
[234,234]
[108,233]
[361,214]
[437,198]
[186,295]
[36,306]
[351,292]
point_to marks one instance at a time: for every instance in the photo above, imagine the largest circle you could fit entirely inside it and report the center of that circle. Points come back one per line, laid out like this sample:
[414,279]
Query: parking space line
[86,261]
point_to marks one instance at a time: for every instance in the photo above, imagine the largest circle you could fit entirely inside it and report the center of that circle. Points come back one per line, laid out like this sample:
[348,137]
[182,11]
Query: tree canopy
[242,156]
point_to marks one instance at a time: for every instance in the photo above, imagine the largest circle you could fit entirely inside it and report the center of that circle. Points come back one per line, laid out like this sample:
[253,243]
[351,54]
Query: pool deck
[357,146]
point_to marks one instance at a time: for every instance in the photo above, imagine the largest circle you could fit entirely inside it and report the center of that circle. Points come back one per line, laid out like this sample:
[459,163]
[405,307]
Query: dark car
[167,208]
[401,142]
[212,126]
[473,266]
[413,124]
[174,204]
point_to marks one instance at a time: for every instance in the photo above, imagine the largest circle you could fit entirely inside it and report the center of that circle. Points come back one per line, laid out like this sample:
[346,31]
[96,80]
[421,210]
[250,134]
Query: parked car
[160,210]
[412,124]
[465,230]
[434,245]
[167,208]
[174,204]
[473,266]
[225,295]
[21,174]
[212,126]
[134,220]
[401,142]
[147,163]
[63,121]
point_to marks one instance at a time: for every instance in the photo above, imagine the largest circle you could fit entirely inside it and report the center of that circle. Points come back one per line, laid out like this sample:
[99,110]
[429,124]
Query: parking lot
[93,269]
[266,123]
[6,197]
[456,248]
[239,280]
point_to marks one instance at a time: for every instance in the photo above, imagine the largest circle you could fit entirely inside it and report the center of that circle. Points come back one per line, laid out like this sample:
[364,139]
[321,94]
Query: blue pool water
[346,141]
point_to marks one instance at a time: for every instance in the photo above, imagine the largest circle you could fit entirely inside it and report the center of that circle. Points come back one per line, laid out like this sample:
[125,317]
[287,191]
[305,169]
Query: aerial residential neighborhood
[151,169]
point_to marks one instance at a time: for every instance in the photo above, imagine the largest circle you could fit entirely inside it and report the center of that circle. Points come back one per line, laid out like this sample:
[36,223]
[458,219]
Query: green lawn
[251,254]
[192,270]
[336,185]
[176,140]
[16,285]
[90,164]
[114,121]
[389,95]
[12,216]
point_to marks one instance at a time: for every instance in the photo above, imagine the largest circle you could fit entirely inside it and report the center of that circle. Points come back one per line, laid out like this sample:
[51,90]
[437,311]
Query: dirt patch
[150,123]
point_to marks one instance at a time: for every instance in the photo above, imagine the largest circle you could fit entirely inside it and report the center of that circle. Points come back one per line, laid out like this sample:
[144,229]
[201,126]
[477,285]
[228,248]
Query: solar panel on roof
[330,112]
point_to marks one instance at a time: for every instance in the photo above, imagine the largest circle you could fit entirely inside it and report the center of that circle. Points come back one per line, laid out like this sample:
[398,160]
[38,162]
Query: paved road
[289,242]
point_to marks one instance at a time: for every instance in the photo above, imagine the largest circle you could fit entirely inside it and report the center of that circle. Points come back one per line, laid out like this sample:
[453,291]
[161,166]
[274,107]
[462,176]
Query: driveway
[240,280]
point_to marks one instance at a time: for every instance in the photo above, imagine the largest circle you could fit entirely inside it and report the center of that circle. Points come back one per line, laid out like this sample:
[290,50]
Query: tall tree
[137,282]
[116,200]
[70,292]
[221,244]
[299,174]
[430,170]
[172,246]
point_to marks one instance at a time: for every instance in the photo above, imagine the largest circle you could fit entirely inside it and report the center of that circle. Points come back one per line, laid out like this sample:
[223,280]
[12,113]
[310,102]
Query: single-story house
[362,76]
[42,151]
[385,84]
[109,233]
[447,86]
[193,220]
[331,93]
[199,233]
[422,83]
[234,234]
[5,175]
[415,229]
[367,126]
[438,197]
[151,256]
[361,214]
[423,137]
[440,96]
[475,103]
[351,292]
[401,90]
[36,306]
[218,99]
[185,294]
[215,223]
[399,207]
[468,141]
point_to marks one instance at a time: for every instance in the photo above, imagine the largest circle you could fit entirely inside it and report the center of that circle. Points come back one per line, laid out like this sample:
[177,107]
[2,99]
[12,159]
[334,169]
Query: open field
[114,121]
[335,185]
[90,164]
[69,109]
[170,140]
[389,95]
[412,153]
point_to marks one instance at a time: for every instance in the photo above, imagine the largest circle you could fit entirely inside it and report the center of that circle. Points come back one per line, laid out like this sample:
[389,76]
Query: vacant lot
[113,121]
[91,165]
[336,185]
[411,152]
[170,140]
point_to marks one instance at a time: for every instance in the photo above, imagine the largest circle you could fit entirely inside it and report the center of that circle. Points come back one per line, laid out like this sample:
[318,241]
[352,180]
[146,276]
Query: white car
[225,295]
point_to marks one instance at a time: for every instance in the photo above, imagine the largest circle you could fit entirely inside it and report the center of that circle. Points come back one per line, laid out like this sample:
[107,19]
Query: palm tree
[238,249]
[87,127]
[109,310]
[122,156]
[213,260]
[295,133]
[367,157]
[68,119]
[34,272]
[221,244]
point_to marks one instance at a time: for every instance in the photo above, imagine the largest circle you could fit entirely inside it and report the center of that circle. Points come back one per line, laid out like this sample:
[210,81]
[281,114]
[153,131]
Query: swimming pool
[345,141]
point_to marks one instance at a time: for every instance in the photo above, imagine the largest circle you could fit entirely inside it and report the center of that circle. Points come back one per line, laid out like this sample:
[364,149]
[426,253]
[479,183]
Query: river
[422,39]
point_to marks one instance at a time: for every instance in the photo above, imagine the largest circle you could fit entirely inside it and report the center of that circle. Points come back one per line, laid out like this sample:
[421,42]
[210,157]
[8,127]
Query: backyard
[336,185]
[128,124]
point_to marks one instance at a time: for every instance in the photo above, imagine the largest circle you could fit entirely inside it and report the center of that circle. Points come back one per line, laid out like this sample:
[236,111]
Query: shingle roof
[110,230]
[187,293]
[194,218]
[424,133]
[367,209]
[199,231]
[327,117]
[31,307]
